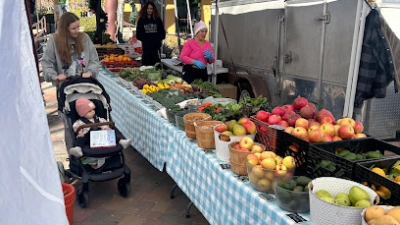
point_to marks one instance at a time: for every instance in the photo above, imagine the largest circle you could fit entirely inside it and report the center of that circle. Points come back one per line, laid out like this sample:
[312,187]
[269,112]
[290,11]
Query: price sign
[267,197]
[242,178]
[296,217]
[225,166]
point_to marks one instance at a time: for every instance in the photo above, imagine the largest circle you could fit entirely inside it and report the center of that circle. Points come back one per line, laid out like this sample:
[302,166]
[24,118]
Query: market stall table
[219,195]
[175,64]
[137,121]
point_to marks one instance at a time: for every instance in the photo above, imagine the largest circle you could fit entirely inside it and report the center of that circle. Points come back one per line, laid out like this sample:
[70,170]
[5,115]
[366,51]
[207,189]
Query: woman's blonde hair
[63,42]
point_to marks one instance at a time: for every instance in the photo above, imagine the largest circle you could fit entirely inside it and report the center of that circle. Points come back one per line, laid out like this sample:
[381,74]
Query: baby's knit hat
[83,106]
[199,26]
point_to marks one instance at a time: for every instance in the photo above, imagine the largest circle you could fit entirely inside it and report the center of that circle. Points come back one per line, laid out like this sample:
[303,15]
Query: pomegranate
[279,111]
[307,112]
[288,107]
[287,114]
[292,119]
[299,102]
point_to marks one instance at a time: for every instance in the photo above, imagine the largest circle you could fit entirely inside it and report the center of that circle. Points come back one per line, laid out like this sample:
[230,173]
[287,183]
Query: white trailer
[310,48]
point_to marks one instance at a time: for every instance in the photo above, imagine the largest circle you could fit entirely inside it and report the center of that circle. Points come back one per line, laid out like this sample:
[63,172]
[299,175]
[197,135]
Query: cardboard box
[228,90]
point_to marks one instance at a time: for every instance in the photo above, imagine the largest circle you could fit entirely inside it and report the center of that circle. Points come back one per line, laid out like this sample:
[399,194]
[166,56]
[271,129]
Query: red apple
[302,123]
[347,120]
[243,120]
[316,136]
[263,130]
[221,128]
[287,115]
[274,119]
[294,147]
[262,115]
[346,132]
[358,127]
[327,119]
[328,128]
[336,138]
[300,132]
[360,135]
[313,122]
[250,127]
[288,130]
[328,138]
[283,123]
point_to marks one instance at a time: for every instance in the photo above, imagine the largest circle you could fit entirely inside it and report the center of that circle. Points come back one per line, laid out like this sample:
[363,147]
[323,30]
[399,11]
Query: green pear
[328,199]
[343,201]
[323,193]
[238,130]
[231,124]
[356,194]
[363,203]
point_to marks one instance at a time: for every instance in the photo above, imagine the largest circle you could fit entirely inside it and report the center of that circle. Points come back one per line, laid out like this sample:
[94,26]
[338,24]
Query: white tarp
[30,188]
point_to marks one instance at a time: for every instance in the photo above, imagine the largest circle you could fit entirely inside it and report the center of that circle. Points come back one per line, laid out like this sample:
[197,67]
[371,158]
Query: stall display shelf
[220,195]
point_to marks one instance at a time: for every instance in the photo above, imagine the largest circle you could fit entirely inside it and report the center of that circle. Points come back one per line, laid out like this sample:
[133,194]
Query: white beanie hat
[199,26]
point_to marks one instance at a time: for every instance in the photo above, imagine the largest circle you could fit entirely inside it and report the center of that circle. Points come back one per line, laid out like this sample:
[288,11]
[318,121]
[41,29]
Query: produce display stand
[220,195]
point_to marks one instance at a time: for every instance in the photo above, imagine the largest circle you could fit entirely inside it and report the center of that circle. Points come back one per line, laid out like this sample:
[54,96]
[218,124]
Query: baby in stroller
[86,110]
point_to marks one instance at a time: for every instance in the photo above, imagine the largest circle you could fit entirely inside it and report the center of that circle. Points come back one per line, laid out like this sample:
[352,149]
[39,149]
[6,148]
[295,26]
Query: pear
[323,193]
[328,199]
[342,199]
[363,203]
[356,194]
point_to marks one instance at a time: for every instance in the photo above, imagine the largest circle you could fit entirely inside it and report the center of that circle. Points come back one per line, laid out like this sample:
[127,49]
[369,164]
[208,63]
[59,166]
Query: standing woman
[150,31]
[69,52]
[196,53]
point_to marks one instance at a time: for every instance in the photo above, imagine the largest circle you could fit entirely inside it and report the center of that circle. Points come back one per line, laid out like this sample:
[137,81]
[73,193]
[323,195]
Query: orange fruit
[112,58]
[120,58]
[386,192]
[379,171]
[397,179]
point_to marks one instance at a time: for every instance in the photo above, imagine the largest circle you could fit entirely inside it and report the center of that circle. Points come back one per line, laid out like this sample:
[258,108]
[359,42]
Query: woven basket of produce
[189,120]
[205,133]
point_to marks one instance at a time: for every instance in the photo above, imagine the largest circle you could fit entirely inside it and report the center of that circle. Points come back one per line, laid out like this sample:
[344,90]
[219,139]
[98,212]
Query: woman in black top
[150,31]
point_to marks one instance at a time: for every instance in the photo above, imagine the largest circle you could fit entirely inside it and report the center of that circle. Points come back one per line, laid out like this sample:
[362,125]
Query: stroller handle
[111,124]
[70,78]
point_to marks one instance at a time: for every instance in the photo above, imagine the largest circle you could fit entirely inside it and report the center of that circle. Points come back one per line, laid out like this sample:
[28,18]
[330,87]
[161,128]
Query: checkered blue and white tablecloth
[220,197]
[137,121]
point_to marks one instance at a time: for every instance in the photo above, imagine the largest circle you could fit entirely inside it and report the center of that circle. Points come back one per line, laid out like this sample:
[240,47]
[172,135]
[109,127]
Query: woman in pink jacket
[196,53]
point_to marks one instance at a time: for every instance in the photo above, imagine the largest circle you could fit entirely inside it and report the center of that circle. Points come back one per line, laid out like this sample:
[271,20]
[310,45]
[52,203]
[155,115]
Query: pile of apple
[265,167]
[241,127]
[301,119]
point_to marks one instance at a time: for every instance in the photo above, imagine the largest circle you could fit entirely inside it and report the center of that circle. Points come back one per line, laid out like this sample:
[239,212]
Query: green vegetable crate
[364,174]
[339,158]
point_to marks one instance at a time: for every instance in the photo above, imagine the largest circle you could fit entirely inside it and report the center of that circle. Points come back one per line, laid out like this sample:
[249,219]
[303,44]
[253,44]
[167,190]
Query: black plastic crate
[323,162]
[364,175]
[296,147]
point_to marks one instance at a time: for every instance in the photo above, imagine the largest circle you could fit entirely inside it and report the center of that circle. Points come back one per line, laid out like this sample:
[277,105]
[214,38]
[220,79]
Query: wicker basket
[323,212]
[238,159]
[189,120]
[205,133]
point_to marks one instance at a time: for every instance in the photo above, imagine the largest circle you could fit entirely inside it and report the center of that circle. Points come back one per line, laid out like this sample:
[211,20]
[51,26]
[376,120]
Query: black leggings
[150,56]
[190,74]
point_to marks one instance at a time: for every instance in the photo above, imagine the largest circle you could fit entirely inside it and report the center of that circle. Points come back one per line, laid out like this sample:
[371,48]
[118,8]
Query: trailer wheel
[245,90]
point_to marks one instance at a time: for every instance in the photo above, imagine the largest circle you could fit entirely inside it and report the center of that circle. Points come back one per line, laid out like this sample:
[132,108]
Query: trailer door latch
[287,58]
[326,18]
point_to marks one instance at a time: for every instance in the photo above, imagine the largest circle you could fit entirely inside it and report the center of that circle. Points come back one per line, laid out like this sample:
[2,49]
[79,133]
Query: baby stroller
[114,164]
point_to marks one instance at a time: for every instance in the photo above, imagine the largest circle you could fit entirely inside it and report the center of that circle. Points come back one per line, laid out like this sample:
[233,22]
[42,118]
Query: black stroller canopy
[61,95]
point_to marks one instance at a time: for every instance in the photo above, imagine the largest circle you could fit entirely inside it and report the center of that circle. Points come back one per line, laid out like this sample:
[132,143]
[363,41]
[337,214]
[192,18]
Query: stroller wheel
[123,188]
[83,199]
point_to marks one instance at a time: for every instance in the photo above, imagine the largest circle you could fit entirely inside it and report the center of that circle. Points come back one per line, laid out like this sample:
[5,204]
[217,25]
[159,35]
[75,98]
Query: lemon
[397,179]
[379,171]
[386,192]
